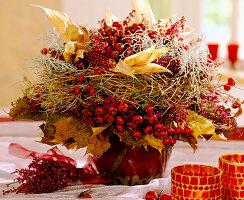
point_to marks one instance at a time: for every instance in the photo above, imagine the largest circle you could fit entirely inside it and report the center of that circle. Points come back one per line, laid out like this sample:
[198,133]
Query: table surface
[25,134]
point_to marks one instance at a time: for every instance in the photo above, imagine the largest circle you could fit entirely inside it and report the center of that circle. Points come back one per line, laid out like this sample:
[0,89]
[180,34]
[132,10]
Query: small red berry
[137,119]
[173,141]
[119,46]
[151,195]
[120,127]
[148,109]
[91,90]
[99,120]
[44,51]
[153,119]
[123,107]
[136,134]
[188,130]
[235,105]
[81,78]
[128,40]
[166,141]
[131,125]
[114,54]
[99,111]
[77,90]
[112,110]
[231,81]
[80,64]
[120,120]
[148,130]
[159,127]
[227,87]
[169,130]
[165,197]
[109,119]
[99,71]
[178,130]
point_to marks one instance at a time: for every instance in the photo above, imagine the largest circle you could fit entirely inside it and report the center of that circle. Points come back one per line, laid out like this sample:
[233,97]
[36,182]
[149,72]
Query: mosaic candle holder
[232,166]
[191,182]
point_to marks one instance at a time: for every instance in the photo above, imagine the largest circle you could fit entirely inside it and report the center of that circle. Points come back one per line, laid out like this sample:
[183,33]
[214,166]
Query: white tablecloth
[25,133]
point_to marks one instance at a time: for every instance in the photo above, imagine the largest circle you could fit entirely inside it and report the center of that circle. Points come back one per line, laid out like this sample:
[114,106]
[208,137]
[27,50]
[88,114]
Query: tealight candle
[196,182]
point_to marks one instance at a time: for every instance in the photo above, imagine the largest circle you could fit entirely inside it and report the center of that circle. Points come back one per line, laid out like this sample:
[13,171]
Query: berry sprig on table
[152,195]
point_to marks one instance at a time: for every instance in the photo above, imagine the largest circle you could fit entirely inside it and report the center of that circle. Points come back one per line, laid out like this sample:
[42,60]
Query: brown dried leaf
[99,144]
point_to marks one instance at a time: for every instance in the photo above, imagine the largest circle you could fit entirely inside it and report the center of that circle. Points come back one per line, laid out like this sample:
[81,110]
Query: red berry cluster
[231,82]
[53,53]
[123,117]
[90,90]
[116,40]
[43,175]
[25,108]
[152,195]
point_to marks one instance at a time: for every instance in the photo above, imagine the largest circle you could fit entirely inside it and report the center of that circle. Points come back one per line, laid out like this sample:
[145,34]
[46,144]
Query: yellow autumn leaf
[99,144]
[200,125]
[154,142]
[140,63]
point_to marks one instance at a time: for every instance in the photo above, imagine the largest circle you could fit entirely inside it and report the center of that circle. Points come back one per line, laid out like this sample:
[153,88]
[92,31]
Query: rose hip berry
[159,127]
[99,120]
[91,90]
[153,119]
[44,51]
[119,46]
[80,64]
[123,107]
[137,119]
[188,130]
[99,71]
[178,130]
[227,87]
[112,110]
[77,90]
[99,111]
[114,54]
[81,78]
[119,127]
[231,81]
[136,134]
[148,130]
[169,130]
[109,119]
[120,120]
[148,109]
[166,141]
[151,195]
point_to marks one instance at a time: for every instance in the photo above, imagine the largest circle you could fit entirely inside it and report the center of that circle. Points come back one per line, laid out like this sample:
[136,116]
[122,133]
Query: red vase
[132,166]
[232,53]
[213,50]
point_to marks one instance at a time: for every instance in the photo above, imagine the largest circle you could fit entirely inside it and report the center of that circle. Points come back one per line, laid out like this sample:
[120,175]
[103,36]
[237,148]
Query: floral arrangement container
[127,89]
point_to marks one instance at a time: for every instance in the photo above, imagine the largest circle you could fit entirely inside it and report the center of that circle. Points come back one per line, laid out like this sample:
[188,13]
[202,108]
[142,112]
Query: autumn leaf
[154,142]
[99,144]
[200,125]
[69,131]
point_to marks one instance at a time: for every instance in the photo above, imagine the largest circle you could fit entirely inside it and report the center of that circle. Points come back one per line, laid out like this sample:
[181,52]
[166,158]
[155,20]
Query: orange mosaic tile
[233,176]
[193,182]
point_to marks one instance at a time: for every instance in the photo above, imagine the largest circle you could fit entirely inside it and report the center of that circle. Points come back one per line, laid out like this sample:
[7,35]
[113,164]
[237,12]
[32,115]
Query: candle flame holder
[191,182]
[232,166]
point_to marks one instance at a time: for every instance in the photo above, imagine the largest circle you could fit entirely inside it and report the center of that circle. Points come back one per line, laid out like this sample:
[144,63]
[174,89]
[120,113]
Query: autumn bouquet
[127,91]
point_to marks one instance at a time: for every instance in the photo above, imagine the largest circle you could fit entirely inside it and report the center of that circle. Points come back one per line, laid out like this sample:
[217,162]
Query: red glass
[138,165]
[233,53]
[196,182]
[233,175]
[213,50]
